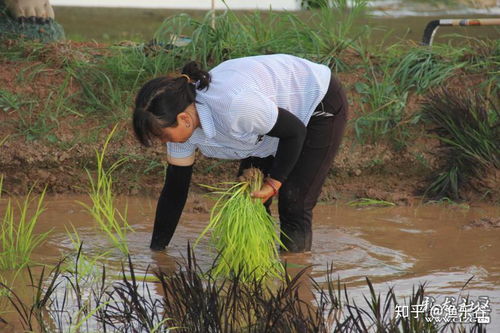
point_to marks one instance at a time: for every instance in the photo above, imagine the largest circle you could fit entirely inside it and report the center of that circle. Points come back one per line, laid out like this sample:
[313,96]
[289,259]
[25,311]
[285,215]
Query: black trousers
[300,191]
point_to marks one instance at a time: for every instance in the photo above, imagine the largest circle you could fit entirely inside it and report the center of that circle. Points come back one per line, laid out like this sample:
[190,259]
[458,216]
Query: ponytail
[199,77]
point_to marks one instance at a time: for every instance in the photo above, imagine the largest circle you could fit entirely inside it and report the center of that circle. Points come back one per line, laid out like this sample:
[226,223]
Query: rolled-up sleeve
[180,150]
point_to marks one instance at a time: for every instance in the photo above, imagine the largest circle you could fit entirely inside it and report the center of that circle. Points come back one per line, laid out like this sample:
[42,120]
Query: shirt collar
[206,120]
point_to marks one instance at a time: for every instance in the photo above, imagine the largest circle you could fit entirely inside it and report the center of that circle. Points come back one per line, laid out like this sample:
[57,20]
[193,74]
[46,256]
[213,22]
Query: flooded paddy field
[402,247]
[58,102]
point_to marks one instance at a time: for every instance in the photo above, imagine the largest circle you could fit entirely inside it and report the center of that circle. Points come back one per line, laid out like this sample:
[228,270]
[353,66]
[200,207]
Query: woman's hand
[269,188]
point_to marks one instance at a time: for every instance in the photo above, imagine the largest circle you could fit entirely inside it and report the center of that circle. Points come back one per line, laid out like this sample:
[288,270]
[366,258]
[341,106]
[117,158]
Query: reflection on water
[395,246]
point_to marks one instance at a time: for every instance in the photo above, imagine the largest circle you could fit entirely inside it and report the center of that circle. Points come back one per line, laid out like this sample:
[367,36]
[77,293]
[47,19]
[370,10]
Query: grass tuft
[468,127]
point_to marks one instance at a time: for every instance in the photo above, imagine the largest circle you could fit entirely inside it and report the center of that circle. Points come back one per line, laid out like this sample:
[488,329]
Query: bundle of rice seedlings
[243,233]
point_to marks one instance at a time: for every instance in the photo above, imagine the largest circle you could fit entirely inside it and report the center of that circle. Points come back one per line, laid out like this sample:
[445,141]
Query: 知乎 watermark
[461,310]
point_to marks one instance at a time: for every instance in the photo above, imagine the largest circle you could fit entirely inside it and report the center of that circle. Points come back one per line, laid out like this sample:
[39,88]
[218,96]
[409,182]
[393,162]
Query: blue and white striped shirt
[241,105]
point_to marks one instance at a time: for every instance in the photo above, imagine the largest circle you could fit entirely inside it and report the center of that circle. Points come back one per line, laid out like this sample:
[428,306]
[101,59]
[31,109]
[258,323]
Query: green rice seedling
[243,233]
[103,209]
[85,267]
[468,127]
[17,235]
[366,202]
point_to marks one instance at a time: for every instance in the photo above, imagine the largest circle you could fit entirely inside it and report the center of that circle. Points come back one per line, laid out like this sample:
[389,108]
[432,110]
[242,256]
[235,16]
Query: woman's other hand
[269,188]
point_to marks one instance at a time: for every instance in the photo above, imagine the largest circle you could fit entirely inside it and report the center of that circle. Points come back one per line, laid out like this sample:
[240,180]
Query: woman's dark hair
[160,101]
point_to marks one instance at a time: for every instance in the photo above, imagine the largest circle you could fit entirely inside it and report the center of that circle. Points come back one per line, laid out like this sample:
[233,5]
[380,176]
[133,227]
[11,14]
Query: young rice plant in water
[243,233]
[113,223]
[17,233]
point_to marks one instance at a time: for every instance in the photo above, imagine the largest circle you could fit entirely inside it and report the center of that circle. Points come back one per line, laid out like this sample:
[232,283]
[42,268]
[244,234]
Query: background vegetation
[89,87]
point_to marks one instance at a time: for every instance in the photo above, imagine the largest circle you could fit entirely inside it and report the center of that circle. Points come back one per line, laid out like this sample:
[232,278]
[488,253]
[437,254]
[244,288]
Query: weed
[421,69]
[467,126]
[387,89]
[384,117]
[99,93]
[10,101]
[35,125]
[17,235]
[337,29]
[40,124]
[323,37]
[30,72]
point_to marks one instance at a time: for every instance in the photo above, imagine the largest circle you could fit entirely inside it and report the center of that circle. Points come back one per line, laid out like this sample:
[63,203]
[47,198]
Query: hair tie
[187,78]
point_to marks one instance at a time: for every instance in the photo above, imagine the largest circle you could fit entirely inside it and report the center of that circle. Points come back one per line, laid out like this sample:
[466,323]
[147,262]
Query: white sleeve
[180,150]
[252,113]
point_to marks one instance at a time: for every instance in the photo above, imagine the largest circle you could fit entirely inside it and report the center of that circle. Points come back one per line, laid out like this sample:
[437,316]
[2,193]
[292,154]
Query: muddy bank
[43,147]
[364,171]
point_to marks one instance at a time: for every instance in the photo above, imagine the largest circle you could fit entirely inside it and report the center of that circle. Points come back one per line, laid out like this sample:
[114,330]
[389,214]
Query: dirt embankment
[58,158]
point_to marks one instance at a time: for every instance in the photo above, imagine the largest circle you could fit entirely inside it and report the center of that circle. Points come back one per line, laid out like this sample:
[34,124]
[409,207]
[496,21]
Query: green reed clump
[109,219]
[468,127]
[243,233]
[108,85]
[18,239]
[382,115]
[321,36]
[421,69]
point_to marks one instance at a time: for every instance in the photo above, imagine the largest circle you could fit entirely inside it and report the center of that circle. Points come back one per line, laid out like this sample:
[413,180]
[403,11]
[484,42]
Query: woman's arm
[170,204]
[291,132]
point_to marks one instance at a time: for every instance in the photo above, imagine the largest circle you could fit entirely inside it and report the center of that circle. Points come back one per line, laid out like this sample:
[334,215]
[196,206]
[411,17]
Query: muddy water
[395,246]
